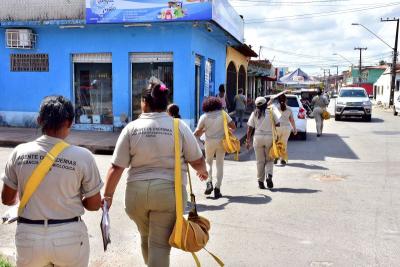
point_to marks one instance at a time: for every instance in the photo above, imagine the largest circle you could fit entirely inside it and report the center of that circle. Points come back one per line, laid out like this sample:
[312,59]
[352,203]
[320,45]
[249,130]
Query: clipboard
[105,226]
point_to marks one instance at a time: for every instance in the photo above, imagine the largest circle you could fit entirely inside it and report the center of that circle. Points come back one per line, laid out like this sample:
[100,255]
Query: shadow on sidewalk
[306,166]
[295,190]
[253,200]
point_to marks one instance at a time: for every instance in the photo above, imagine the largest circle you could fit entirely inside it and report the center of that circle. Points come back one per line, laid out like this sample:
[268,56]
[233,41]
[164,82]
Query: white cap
[260,101]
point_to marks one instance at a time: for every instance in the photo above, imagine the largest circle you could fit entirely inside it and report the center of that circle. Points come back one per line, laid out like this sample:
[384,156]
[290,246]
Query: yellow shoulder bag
[189,234]
[278,149]
[230,142]
[39,173]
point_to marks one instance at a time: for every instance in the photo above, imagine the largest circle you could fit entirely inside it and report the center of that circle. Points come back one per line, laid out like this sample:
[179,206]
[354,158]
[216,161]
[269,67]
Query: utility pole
[394,62]
[359,67]
[336,78]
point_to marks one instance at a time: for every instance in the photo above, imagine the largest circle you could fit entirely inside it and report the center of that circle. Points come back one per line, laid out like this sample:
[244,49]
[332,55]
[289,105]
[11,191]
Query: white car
[353,102]
[396,104]
[299,114]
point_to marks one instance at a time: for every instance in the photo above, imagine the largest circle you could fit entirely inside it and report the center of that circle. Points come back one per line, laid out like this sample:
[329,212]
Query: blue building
[101,54]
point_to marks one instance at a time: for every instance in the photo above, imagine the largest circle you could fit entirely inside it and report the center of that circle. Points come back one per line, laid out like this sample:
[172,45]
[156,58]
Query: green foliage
[5,263]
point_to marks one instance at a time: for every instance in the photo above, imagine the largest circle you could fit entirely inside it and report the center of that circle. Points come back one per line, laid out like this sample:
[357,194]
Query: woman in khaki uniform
[211,123]
[319,103]
[146,147]
[50,231]
[286,123]
[260,126]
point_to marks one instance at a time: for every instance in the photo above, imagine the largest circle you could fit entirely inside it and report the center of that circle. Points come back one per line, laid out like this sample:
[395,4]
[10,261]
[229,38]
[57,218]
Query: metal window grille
[29,62]
[20,39]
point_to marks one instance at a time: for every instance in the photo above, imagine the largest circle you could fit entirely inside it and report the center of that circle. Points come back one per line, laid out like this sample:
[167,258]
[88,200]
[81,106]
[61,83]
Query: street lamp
[393,70]
[337,54]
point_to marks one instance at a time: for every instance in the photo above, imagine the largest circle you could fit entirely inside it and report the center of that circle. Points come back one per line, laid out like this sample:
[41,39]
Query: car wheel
[337,117]
[367,118]
[394,111]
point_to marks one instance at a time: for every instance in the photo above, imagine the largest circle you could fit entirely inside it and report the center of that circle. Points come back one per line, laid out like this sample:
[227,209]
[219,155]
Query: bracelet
[108,197]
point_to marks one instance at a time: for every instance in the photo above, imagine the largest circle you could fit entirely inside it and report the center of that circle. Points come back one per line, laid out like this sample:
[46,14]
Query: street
[335,204]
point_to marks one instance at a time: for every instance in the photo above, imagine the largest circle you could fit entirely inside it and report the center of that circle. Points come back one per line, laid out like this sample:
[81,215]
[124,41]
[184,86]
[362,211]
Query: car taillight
[302,113]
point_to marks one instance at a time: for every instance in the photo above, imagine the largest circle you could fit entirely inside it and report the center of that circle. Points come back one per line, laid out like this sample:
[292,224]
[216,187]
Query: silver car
[353,102]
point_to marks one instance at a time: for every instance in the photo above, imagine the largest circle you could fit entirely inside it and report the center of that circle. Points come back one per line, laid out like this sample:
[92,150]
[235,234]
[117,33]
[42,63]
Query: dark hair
[260,110]
[240,91]
[54,111]
[282,101]
[319,92]
[173,110]
[221,88]
[211,104]
[156,96]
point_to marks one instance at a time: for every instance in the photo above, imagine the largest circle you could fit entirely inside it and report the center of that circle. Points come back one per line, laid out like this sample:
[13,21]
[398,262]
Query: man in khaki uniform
[50,231]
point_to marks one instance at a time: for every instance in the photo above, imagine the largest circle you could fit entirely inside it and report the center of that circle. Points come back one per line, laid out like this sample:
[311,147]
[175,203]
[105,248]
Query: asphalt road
[336,203]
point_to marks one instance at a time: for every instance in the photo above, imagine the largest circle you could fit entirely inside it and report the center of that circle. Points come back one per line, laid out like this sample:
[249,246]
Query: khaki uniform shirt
[285,116]
[263,124]
[59,196]
[146,146]
[240,102]
[320,101]
[213,124]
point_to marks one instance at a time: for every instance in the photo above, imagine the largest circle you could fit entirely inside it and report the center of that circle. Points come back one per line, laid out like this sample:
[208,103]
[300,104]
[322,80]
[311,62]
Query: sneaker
[209,188]
[270,184]
[318,135]
[261,185]
[283,162]
[275,161]
[217,193]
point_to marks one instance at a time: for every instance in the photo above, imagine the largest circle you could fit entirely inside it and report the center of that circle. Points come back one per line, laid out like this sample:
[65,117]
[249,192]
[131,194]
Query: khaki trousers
[284,133]
[213,148]
[65,245]
[262,144]
[318,119]
[151,205]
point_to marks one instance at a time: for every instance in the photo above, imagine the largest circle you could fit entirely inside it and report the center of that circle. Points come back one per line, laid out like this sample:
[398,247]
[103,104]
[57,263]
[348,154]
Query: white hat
[260,101]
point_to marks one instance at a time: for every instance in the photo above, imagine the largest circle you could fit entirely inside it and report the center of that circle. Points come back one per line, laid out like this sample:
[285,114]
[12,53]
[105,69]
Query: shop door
[93,88]
[197,73]
[231,85]
[143,67]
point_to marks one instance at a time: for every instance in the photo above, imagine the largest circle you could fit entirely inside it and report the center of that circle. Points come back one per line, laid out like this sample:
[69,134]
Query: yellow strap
[178,186]
[274,133]
[228,140]
[218,260]
[196,259]
[39,173]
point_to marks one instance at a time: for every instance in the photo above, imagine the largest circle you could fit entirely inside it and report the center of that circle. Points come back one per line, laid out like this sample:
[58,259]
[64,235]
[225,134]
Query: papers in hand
[105,226]
[10,216]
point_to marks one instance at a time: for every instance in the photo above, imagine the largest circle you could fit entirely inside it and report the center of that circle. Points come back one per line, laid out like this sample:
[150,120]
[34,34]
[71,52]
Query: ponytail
[156,96]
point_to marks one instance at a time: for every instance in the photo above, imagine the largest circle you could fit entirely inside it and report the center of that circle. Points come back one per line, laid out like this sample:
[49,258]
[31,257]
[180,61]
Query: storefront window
[145,66]
[93,93]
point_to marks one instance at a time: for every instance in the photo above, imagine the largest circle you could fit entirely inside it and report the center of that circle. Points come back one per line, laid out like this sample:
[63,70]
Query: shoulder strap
[39,173]
[225,124]
[178,186]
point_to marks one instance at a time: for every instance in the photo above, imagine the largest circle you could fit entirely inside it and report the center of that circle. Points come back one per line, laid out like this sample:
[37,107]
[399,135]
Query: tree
[382,62]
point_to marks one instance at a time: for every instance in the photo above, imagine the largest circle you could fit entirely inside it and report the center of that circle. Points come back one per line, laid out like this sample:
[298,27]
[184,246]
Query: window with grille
[29,62]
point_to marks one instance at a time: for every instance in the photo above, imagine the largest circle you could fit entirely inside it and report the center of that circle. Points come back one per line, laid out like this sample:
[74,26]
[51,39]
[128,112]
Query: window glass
[93,93]
[353,93]
[141,73]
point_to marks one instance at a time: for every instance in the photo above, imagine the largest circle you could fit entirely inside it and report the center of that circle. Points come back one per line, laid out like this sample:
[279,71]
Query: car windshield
[352,93]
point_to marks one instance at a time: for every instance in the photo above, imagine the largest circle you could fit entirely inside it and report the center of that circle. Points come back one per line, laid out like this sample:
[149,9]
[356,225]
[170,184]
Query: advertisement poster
[207,78]
[134,11]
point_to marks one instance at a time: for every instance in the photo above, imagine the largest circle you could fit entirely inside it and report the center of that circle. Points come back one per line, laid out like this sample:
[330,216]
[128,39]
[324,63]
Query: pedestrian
[286,123]
[319,103]
[211,123]
[240,107]
[260,126]
[222,97]
[146,147]
[173,111]
[50,231]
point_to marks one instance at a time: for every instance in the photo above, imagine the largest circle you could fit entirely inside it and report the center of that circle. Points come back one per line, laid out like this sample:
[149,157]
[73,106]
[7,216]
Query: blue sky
[306,33]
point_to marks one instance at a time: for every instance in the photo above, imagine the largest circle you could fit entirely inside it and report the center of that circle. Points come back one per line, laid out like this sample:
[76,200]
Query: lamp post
[393,69]
[337,54]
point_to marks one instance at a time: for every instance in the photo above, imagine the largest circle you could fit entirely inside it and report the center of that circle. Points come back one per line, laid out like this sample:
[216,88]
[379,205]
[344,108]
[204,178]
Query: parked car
[299,114]
[353,102]
[396,104]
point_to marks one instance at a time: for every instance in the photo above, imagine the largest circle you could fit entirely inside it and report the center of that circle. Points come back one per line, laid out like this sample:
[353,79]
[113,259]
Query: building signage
[147,11]
[128,11]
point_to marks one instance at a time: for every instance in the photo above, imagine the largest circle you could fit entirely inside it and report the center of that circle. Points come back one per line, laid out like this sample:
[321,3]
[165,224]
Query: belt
[50,221]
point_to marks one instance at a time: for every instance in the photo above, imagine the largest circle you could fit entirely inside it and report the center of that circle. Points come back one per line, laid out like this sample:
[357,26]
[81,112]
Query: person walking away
[260,126]
[286,123]
[173,111]
[240,107]
[222,97]
[319,103]
[146,147]
[212,124]
[50,231]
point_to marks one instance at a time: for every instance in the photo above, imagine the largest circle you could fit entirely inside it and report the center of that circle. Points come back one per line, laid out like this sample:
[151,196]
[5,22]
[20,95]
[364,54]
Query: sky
[306,33]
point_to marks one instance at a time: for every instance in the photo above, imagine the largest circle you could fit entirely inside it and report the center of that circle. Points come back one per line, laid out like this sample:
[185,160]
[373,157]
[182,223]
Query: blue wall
[23,91]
